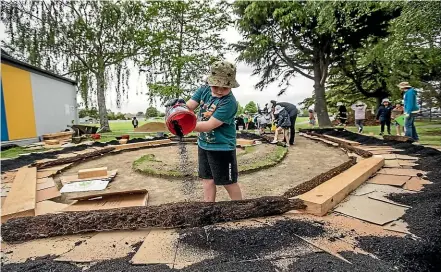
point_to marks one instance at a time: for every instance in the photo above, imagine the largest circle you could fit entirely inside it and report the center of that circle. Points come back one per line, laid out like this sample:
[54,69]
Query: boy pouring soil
[217,131]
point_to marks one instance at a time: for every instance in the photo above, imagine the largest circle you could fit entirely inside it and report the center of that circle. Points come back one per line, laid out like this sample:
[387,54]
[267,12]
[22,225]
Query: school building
[34,102]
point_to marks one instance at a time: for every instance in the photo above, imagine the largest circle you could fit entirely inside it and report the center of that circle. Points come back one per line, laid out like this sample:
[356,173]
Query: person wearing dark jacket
[292,112]
[135,122]
[342,115]
[283,124]
[384,115]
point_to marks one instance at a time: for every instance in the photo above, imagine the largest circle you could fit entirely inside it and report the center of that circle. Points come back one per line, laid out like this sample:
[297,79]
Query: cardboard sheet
[416,184]
[389,180]
[370,210]
[74,178]
[49,193]
[159,247]
[110,202]
[45,183]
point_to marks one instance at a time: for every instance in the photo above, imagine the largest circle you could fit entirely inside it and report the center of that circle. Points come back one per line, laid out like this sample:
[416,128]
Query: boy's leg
[292,130]
[234,191]
[206,176]
[223,165]
[361,125]
[382,122]
[276,135]
[209,190]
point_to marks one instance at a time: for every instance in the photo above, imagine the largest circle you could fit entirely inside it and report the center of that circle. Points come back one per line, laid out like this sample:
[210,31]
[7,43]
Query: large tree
[251,107]
[192,41]
[411,52]
[285,38]
[89,40]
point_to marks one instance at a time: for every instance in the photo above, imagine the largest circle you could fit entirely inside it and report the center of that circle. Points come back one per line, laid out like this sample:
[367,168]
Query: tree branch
[293,65]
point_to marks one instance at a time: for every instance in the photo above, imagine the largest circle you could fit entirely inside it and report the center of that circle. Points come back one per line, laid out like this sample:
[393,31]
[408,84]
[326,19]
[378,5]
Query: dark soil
[250,136]
[11,164]
[317,180]
[424,219]
[183,214]
[323,262]
[41,264]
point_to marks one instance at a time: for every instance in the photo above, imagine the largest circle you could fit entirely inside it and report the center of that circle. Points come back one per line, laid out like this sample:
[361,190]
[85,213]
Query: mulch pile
[424,219]
[183,214]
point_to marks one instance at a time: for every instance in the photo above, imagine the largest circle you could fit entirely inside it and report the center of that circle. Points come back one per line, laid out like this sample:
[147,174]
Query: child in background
[283,124]
[384,115]
[246,120]
[311,117]
[359,109]
[342,115]
[396,112]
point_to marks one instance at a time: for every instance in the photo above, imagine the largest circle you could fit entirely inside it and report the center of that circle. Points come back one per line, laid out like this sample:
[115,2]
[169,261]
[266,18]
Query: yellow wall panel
[17,92]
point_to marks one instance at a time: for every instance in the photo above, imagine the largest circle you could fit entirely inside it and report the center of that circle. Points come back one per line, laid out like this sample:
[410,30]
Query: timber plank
[140,144]
[21,197]
[342,140]
[324,197]
[92,172]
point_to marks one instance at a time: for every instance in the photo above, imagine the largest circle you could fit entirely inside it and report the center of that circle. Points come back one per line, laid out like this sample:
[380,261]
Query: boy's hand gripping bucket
[180,120]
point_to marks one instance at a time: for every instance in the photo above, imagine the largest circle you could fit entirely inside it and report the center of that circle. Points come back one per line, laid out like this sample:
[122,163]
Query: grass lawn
[428,136]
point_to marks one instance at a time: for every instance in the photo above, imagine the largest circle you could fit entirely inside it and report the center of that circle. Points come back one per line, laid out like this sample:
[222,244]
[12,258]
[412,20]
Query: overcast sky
[300,88]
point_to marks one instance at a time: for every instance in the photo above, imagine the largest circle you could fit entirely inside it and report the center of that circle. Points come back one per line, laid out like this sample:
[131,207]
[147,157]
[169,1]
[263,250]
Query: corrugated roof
[6,58]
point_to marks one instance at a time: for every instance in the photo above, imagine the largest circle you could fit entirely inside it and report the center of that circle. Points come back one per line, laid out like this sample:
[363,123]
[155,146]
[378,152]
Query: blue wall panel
[4,124]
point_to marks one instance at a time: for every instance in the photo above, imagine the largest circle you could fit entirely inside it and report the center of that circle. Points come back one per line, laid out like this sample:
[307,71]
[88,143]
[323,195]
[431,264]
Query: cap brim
[222,82]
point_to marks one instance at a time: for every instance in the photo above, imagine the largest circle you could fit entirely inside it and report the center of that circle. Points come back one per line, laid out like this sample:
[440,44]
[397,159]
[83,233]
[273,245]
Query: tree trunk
[320,104]
[102,109]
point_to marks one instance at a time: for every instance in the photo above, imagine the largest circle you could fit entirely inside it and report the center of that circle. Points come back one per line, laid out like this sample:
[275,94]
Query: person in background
[283,124]
[359,109]
[410,109]
[311,117]
[135,122]
[397,111]
[246,119]
[384,115]
[292,111]
[342,115]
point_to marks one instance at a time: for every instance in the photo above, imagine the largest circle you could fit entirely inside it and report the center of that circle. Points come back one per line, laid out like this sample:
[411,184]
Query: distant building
[34,102]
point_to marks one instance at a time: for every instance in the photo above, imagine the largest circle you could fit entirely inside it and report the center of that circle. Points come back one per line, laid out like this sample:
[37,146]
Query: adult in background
[384,115]
[135,122]
[342,115]
[283,124]
[359,109]
[410,109]
[292,111]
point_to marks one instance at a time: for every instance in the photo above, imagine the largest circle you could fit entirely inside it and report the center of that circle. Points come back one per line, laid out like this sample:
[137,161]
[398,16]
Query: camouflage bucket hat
[223,74]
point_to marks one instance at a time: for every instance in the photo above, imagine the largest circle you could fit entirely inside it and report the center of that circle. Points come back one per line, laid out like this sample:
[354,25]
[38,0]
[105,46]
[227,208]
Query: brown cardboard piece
[45,174]
[41,247]
[159,247]
[47,206]
[105,246]
[107,194]
[401,172]
[389,180]
[370,210]
[110,202]
[45,183]
[56,168]
[415,184]
[48,193]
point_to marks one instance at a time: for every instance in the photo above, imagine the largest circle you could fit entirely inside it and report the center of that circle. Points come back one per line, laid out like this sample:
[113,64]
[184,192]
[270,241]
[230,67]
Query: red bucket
[181,116]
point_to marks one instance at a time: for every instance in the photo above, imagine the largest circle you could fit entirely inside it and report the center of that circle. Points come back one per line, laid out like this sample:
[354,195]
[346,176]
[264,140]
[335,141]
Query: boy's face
[220,91]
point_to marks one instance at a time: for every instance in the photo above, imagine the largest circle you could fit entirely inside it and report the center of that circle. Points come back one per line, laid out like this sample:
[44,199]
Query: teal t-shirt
[222,138]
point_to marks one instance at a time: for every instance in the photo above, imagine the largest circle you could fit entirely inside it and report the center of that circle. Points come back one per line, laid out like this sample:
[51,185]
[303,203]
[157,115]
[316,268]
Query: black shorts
[221,166]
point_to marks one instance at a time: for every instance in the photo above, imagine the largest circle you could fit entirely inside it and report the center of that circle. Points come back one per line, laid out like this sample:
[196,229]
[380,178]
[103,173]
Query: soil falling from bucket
[184,165]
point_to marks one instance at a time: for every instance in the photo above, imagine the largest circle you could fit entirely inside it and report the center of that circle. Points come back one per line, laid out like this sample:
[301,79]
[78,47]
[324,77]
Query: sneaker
[274,142]
[360,130]
[381,133]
